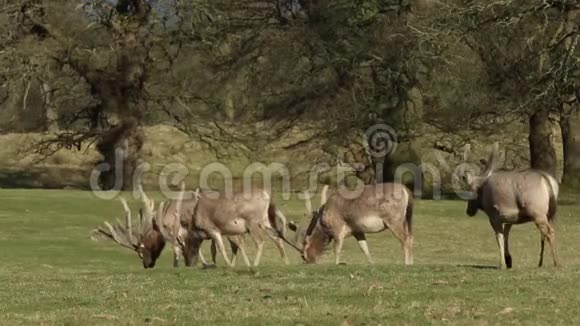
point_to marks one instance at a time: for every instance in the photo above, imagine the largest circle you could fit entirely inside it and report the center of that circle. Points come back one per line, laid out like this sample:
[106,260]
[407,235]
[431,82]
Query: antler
[324,195]
[119,233]
[459,173]
[491,162]
[466,152]
[177,221]
[159,221]
[125,234]
[147,203]
[128,223]
[308,203]
[146,213]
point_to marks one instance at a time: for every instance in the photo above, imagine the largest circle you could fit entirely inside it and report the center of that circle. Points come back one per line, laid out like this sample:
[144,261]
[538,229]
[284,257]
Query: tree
[521,46]
[569,94]
[335,68]
[111,48]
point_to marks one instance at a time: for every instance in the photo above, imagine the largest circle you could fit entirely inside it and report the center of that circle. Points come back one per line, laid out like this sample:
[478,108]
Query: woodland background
[288,81]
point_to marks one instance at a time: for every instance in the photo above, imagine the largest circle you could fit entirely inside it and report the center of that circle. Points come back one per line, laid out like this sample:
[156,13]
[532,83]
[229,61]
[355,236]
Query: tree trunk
[120,148]
[570,127]
[570,119]
[404,166]
[541,140]
[50,112]
[121,145]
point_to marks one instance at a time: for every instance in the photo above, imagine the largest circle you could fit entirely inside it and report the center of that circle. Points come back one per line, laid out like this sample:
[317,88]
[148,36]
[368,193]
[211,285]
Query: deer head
[475,183]
[304,240]
[147,237]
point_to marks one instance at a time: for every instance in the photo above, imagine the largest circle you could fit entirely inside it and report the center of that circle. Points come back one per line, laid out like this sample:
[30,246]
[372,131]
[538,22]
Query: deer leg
[191,250]
[234,246]
[213,251]
[498,229]
[238,242]
[542,241]
[280,244]
[548,233]
[363,245]
[256,234]
[409,249]
[217,237]
[260,248]
[400,232]
[338,242]
[554,246]
[176,255]
[234,255]
[201,258]
[506,235]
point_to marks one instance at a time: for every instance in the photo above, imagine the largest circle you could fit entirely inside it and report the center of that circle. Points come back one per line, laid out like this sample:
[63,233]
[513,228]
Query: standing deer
[149,236]
[515,197]
[219,214]
[379,207]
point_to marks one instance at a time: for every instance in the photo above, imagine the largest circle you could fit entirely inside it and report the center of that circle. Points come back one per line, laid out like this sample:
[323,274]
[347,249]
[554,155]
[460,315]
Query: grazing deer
[379,207]
[149,236]
[250,212]
[173,221]
[514,197]
[144,238]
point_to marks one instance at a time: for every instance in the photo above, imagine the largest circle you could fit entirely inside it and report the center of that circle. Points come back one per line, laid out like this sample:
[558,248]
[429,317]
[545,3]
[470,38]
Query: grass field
[51,273]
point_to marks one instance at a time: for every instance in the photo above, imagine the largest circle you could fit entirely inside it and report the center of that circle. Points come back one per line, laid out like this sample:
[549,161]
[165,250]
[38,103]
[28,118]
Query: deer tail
[277,220]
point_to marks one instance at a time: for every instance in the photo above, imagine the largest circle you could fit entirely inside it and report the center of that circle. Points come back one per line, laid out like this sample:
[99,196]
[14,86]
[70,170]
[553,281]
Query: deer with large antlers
[143,237]
[150,234]
[514,197]
[377,208]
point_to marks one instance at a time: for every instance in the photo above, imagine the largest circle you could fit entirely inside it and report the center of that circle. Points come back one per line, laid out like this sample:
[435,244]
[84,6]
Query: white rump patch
[370,224]
[554,185]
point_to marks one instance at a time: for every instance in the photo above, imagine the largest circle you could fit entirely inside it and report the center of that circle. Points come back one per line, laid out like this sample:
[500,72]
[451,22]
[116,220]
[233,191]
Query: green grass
[51,273]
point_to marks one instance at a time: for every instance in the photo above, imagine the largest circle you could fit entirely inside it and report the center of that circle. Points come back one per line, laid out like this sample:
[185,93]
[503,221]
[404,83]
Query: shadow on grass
[47,178]
[477,266]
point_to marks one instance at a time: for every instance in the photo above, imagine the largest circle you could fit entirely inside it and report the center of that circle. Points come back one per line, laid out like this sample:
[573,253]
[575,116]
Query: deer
[172,222]
[235,214]
[149,235]
[514,197]
[378,207]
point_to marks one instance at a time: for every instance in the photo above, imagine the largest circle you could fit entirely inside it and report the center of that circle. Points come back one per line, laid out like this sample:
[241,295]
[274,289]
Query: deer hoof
[508,261]
[209,266]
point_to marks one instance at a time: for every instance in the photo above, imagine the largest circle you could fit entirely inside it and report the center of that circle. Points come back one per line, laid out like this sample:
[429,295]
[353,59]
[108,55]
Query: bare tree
[525,63]
[110,47]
